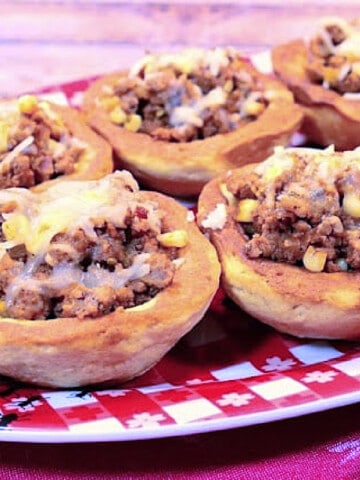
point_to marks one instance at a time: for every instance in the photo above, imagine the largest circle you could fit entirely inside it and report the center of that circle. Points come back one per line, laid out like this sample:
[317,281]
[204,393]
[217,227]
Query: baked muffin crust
[177,120]
[285,233]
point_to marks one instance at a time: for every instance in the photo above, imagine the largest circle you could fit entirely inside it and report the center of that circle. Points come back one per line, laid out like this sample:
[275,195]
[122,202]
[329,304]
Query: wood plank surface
[45,42]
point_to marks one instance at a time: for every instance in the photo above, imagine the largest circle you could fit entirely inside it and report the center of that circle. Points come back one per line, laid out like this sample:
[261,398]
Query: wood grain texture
[46,42]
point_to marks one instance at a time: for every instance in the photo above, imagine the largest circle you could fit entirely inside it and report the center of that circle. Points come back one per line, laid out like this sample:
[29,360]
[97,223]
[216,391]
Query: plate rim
[61,436]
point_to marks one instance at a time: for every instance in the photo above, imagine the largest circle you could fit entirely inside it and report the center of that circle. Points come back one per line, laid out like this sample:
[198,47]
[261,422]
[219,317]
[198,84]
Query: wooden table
[45,42]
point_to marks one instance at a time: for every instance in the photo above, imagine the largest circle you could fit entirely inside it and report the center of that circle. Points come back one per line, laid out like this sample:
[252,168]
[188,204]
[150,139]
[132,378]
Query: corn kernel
[185,65]
[160,112]
[133,123]
[176,238]
[272,172]
[27,103]
[16,228]
[351,204]
[246,209]
[350,56]
[118,116]
[4,136]
[314,260]
[2,307]
[331,74]
[252,108]
[109,103]
[229,86]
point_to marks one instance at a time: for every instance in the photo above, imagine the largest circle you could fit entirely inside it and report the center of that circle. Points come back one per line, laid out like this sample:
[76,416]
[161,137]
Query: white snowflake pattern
[112,393]
[77,99]
[23,404]
[145,420]
[350,447]
[235,399]
[277,364]
[319,377]
[194,381]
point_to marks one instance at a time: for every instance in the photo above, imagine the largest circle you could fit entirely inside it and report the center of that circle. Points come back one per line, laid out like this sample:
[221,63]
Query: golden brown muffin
[287,234]
[98,280]
[324,75]
[177,120]
[41,142]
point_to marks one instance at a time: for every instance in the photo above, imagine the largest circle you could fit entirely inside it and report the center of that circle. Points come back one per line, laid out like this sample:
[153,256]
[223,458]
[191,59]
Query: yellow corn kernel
[331,74]
[16,228]
[246,209]
[314,260]
[185,65]
[4,136]
[118,116]
[229,86]
[109,103]
[272,172]
[351,204]
[27,103]
[160,112]
[252,108]
[133,123]
[176,238]
[2,307]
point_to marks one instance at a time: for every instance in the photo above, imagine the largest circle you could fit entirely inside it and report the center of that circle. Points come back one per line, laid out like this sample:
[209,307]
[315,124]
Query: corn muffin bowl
[286,232]
[324,75]
[42,142]
[177,120]
[99,285]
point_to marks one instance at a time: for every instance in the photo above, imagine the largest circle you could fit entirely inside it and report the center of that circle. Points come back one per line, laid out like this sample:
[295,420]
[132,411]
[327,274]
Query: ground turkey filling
[187,96]
[302,207]
[110,258]
[35,145]
[335,56]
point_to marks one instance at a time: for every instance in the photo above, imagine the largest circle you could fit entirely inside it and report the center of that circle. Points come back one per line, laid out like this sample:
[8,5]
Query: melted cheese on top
[187,61]
[37,217]
[33,219]
[350,47]
[326,164]
[10,117]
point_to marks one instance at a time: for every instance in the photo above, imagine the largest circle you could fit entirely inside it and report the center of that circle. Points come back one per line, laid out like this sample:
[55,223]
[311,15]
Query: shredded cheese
[16,151]
[326,163]
[69,206]
[216,219]
[350,46]
[186,61]
[190,113]
[276,164]
[33,219]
